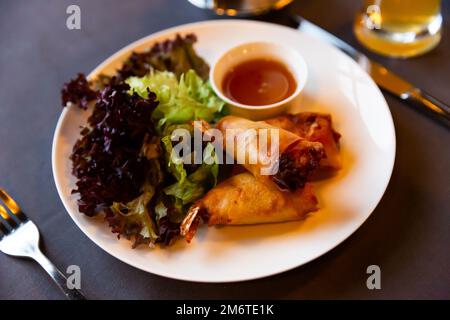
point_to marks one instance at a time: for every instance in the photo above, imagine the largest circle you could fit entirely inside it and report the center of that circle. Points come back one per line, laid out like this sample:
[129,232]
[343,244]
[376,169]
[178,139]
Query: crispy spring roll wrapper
[314,127]
[243,199]
[297,158]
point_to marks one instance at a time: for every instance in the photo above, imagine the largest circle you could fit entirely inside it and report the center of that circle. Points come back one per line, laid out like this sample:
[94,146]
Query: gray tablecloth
[407,235]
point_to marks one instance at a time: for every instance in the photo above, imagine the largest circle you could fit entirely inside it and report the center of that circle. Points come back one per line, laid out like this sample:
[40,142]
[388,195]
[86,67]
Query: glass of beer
[240,7]
[399,28]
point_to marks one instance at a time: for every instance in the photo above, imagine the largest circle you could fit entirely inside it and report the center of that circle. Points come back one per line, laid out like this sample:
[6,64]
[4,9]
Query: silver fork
[19,237]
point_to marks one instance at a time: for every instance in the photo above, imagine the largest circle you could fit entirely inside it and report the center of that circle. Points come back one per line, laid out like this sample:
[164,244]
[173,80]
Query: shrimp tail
[191,222]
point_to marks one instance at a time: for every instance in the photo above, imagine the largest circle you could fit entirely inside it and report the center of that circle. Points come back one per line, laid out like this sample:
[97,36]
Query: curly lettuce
[190,98]
[195,185]
[135,215]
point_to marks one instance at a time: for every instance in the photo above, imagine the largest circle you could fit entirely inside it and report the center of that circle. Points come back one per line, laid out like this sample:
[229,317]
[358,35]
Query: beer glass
[399,28]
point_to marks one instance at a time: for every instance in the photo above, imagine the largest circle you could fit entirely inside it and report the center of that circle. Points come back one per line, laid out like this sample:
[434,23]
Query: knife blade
[383,77]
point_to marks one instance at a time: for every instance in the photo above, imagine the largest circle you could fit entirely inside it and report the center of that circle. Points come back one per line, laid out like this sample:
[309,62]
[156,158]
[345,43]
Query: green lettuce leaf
[135,214]
[160,210]
[174,163]
[195,185]
[190,98]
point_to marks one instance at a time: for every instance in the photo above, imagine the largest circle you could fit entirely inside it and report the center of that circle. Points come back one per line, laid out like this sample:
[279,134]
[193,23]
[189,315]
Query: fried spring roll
[313,127]
[242,199]
[296,160]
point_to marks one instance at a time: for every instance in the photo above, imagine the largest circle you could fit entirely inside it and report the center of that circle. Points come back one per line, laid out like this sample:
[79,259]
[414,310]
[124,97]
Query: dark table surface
[407,235]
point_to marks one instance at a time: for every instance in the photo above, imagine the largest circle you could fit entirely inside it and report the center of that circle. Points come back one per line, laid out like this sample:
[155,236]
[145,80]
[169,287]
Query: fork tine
[12,205]
[3,230]
[6,222]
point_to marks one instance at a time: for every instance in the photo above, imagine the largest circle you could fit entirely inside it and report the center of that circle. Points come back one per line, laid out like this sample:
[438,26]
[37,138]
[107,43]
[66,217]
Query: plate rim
[180,28]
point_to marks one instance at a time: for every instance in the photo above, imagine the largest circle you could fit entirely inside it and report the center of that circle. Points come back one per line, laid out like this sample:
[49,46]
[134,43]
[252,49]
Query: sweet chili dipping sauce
[259,82]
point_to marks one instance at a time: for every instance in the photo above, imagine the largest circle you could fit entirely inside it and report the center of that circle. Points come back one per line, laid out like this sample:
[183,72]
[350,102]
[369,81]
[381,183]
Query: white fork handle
[57,276]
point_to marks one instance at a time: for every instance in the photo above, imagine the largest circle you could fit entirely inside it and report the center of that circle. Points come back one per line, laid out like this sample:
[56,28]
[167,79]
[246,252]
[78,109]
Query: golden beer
[399,28]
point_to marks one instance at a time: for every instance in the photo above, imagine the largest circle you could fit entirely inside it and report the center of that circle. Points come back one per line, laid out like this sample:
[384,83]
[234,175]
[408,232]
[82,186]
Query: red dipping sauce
[259,82]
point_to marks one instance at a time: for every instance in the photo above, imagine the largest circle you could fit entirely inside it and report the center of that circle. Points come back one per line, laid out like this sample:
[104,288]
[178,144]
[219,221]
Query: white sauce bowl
[293,61]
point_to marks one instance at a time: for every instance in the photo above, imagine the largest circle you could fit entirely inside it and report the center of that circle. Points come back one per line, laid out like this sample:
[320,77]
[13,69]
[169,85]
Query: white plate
[336,85]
